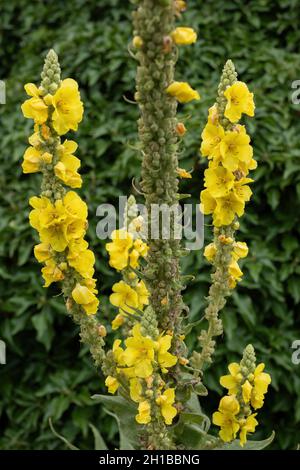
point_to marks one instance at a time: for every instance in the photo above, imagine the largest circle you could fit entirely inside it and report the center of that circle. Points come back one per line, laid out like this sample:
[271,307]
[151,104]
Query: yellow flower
[60,222]
[143,294]
[66,168]
[244,167]
[233,380]
[118,249]
[261,382]
[235,147]
[241,190]
[210,252]
[84,297]
[212,136]
[35,139]
[45,132]
[75,206]
[34,159]
[165,401]
[164,358]
[139,353]
[208,202]
[246,391]
[247,425]
[144,415]
[240,250]
[80,258]
[182,92]
[136,389]
[184,36]
[124,297]
[134,258]
[112,384]
[135,227]
[239,101]
[51,272]
[226,418]
[118,353]
[235,271]
[34,108]
[68,109]
[213,117]
[117,322]
[219,181]
[226,209]
[141,247]
[43,252]
[76,210]
[180,5]
[49,220]
[137,42]
[182,173]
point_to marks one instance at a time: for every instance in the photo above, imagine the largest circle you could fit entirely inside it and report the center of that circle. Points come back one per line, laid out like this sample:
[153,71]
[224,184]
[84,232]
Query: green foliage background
[47,373]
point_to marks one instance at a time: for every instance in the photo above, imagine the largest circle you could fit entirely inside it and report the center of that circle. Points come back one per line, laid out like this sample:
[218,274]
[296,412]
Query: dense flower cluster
[126,250]
[239,250]
[231,158]
[140,365]
[59,215]
[247,385]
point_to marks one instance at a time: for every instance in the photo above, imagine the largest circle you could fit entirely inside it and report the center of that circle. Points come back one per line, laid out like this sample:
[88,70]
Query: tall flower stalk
[227,146]
[157,95]
[59,215]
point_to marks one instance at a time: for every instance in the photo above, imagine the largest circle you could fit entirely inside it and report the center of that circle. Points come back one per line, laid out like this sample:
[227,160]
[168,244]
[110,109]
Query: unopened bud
[137,42]
[167,44]
[180,129]
[183,361]
[102,331]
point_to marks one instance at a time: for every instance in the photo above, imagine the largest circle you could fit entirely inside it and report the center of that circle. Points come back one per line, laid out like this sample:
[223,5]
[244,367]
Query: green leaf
[99,441]
[193,425]
[43,326]
[293,288]
[201,390]
[124,413]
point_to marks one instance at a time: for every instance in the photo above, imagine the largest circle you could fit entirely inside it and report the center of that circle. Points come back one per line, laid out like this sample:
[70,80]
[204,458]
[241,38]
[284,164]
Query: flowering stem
[153,22]
[53,190]
[219,289]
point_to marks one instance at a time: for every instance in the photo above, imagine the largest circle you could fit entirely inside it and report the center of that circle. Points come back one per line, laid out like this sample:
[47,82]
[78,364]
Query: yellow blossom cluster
[64,109]
[239,250]
[142,359]
[59,215]
[130,295]
[125,251]
[235,413]
[230,158]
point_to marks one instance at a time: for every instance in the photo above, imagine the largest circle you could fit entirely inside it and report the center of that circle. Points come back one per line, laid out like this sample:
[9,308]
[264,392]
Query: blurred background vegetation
[48,374]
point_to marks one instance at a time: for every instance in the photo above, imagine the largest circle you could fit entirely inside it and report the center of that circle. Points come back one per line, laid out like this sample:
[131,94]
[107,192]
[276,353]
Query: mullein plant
[153,383]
